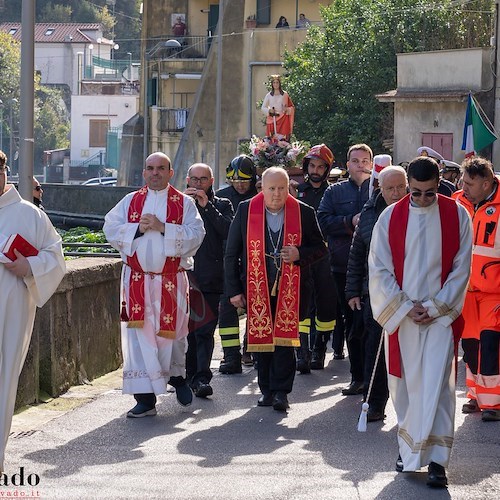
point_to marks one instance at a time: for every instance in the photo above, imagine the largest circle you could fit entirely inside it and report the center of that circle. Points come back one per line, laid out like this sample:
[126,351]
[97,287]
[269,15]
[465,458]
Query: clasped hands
[149,222]
[419,314]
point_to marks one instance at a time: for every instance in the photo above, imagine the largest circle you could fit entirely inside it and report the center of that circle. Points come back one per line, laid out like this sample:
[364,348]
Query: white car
[100,181]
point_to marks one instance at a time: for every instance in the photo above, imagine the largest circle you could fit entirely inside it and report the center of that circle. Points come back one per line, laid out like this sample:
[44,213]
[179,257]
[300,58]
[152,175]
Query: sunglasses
[37,188]
[427,194]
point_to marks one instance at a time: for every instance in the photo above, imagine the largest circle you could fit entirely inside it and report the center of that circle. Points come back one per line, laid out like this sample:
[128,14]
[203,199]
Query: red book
[23,246]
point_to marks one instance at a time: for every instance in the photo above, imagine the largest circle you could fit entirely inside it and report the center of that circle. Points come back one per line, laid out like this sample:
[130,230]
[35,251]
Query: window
[49,31]
[12,31]
[97,133]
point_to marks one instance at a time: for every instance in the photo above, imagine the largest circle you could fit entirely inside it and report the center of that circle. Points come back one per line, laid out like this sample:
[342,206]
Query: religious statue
[279,111]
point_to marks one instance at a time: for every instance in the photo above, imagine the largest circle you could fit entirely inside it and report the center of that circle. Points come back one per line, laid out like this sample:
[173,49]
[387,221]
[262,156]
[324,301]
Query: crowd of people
[381,262]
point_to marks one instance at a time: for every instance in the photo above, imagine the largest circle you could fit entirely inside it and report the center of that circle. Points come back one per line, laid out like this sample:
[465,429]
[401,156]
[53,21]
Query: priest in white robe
[157,231]
[25,284]
[419,265]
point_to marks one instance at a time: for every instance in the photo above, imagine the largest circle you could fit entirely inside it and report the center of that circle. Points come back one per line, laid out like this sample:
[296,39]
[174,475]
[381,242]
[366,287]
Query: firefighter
[315,330]
[241,176]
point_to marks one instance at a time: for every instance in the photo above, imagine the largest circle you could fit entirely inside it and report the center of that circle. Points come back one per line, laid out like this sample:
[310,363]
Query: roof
[55,32]
[423,95]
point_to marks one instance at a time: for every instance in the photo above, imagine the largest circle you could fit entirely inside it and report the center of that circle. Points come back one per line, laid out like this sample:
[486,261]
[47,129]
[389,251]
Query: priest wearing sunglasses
[419,265]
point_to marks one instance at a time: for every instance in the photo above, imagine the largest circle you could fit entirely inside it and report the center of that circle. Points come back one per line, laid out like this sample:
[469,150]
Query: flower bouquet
[267,152]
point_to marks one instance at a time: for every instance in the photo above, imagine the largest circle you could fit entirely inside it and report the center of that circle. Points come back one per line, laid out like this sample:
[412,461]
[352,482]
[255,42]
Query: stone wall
[76,336]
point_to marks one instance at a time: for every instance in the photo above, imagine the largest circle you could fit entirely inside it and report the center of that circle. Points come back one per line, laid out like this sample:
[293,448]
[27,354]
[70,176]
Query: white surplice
[20,297]
[424,397]
[149,360]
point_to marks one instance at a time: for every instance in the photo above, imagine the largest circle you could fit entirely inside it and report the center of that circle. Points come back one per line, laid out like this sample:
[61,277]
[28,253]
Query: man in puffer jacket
[393,187]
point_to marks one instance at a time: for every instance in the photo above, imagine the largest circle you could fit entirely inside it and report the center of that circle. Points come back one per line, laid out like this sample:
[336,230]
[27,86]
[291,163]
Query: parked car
[100,181]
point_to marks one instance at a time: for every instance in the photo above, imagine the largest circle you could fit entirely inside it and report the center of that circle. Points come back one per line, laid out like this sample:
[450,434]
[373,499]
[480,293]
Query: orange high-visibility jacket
[485,274]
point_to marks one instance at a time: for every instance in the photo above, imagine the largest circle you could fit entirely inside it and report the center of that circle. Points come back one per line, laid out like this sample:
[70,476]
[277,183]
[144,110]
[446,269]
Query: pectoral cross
[276,257]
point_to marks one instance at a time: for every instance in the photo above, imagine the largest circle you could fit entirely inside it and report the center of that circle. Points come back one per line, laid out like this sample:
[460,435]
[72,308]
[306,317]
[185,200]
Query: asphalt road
[81,446]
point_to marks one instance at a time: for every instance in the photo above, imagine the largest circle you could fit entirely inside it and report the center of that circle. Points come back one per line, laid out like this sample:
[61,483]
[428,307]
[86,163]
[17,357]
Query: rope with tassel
[363,417]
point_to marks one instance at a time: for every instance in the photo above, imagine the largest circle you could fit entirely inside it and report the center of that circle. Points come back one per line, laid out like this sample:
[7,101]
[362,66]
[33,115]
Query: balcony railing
[172,119]
[191,47]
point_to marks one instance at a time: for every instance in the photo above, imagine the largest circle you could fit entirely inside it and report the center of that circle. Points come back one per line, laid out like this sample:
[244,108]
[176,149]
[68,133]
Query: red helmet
[321,151]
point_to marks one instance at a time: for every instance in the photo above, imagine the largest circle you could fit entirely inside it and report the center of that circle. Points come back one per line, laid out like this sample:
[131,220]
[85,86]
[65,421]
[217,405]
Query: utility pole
[26,129]
[495,153]
[218,95]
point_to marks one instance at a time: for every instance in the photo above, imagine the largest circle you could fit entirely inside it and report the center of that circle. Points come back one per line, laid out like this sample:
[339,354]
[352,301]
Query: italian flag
[477,135]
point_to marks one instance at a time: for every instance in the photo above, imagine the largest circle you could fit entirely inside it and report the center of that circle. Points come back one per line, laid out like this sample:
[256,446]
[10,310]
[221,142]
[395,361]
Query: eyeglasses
[199,179]
[427,194]
[4,169]
[393,189]
[37,188]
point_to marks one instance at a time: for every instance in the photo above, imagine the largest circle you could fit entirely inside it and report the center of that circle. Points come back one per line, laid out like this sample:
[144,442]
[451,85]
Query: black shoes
[338,355]
[266,400]
[471,407]
[318,359]
[490,415]
[182,390]
[303,361]
[231,363]
[280,401]
[141,410]
[353,388]
[202,389]
[399,464]
[374,415]
[436,477]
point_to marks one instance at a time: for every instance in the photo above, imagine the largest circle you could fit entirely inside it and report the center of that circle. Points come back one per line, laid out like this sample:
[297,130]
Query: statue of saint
[279,111]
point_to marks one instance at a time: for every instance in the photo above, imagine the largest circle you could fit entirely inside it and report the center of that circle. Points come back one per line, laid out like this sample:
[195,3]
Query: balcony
[172,120]
[188,47]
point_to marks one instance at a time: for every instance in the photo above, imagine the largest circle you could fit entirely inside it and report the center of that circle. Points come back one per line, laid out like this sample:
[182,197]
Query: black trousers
[276,370]
[202,323]
[353,323]
[373,333]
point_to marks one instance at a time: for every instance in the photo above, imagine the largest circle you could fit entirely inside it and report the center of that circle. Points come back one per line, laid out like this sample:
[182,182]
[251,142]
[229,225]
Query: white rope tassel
[363,418]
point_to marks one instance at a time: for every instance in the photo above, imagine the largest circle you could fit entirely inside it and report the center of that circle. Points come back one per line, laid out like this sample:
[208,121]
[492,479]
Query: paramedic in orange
[480,340]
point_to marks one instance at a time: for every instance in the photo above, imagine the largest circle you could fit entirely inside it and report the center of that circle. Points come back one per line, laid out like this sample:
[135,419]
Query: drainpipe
[249,103]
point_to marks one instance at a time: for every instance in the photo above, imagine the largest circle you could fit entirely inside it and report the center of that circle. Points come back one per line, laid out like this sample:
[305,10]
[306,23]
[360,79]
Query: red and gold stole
[450,243]
[264,331]
[168,308]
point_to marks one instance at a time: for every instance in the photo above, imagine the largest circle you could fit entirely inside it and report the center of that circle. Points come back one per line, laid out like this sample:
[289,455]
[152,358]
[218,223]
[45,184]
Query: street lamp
[91,47]
[129,67]
[113,48]
[1,125]
[11,145]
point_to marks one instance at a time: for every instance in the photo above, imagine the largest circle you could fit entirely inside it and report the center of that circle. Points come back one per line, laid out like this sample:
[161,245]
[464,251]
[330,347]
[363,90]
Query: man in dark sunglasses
[37,194]
[419,266]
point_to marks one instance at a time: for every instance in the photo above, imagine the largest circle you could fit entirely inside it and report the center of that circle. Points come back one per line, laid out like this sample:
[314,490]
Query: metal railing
[191,47]
[82,253]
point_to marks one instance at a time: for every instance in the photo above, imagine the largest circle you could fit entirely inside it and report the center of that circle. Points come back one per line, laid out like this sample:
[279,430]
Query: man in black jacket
[393,186]
[207,279]
[266,263]
[338,215]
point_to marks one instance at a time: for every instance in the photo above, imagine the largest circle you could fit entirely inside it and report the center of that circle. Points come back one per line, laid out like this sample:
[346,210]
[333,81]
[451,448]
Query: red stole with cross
[168,307]
[264,331]
[450,243]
